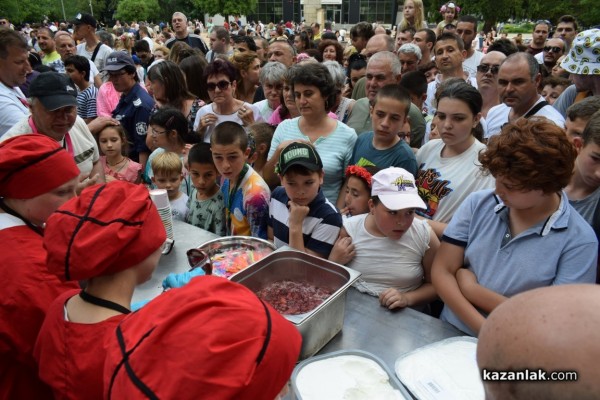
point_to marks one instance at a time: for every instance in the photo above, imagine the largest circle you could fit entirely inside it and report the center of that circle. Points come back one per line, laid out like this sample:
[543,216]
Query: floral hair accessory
[360,172]
[449,5]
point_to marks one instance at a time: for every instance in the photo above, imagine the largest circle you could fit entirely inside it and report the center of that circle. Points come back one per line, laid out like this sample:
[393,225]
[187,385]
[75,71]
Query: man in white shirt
[467,30]
[518,79]
[54,114]
[92,49]
[14,67]
[450,53]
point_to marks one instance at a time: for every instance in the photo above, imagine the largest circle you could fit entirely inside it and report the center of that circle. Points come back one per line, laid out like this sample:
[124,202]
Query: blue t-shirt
[320,228]
[561,250]
[400,155]
[334,149]
[133,111]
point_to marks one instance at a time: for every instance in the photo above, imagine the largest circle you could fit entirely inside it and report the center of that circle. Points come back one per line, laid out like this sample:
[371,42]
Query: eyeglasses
[484,68]
[404,136]
[3,22]
[543,21]
[222,85]
[554,49]
[155,133]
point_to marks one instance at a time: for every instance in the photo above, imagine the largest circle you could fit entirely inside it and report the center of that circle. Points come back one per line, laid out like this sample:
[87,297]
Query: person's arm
[269,174]
[99,123]
[437,226]
[143,159]
[297,215]
[97,170]
[270,234]
[448,260]
[425,293]
[481,297]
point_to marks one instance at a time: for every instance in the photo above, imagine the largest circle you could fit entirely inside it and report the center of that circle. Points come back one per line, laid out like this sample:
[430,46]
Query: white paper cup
[160,198]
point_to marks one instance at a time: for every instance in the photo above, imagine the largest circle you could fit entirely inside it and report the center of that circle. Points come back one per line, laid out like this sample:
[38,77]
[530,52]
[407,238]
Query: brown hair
[339,50]
[534,153]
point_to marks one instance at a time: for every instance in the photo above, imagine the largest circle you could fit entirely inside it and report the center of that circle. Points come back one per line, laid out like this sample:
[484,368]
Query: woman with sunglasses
[315,93]
[220,76]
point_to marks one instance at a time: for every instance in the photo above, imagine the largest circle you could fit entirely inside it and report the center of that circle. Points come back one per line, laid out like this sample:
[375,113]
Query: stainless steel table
[388,334]
[367,325]
[186,237]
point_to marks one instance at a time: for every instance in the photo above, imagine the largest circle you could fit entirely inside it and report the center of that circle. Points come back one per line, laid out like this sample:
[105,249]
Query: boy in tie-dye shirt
[245,193]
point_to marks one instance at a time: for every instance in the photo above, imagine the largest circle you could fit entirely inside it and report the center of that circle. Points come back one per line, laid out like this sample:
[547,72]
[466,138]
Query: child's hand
[343,251]
[392,298]
[297,213]
[344,211]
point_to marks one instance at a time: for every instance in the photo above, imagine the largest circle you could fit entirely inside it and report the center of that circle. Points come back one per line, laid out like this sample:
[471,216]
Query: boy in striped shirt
[78,69]
[300,215]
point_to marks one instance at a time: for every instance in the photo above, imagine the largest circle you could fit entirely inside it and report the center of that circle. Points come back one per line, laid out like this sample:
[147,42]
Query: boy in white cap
[403,246]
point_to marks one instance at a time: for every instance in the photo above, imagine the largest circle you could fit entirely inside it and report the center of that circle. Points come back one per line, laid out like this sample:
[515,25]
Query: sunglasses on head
[222,85]
[484,68]
[554,49]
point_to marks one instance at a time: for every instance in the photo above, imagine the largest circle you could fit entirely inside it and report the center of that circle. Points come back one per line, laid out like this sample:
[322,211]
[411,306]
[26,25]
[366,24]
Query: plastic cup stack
[161,201]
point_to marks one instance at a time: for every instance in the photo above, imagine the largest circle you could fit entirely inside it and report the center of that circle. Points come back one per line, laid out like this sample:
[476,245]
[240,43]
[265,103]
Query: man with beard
[467,30]
[51,58]
[553,50]
[539,37]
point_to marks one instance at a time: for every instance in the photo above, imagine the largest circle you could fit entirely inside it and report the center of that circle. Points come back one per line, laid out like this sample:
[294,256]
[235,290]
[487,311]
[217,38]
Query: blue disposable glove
[178,280]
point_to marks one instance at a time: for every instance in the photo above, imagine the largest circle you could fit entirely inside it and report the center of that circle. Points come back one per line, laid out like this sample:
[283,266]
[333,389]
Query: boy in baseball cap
[110,236]
[393,250]
[300,215]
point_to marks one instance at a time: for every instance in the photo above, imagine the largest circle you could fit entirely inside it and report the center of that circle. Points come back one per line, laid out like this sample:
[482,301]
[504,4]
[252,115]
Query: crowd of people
[454,172]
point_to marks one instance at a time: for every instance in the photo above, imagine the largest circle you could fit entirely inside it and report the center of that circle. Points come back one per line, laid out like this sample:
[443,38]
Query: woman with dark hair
[302,42]
[518,236]
[331,50]
[220,76]
[248,66]
[448,167]
[315,93]
[169,88]
[193,69]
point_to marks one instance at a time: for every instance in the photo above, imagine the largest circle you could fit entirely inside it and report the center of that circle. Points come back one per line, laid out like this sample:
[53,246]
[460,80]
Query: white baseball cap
[396,188]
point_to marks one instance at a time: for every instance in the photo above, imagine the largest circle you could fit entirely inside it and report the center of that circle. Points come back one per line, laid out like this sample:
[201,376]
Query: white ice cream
[345,378]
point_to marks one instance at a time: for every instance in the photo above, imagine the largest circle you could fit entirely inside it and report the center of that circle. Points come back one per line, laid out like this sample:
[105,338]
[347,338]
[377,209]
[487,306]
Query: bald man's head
[555,329]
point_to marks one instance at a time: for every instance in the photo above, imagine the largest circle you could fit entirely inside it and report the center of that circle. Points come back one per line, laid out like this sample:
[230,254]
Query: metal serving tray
[320,325]
[394,382]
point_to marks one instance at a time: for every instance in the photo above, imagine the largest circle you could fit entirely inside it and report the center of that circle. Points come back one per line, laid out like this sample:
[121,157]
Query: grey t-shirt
[587,207]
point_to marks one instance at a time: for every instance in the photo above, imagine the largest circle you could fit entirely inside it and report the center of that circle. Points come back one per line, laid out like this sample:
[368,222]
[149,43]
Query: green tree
[227,7]
[137,10]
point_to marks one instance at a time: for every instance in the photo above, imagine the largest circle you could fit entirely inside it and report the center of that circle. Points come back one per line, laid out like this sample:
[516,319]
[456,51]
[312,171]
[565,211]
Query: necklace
[115,164]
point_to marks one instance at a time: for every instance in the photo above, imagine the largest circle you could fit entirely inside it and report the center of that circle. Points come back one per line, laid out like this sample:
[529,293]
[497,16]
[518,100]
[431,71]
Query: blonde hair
[166,163]
[419,17]
[242,61]
[164,49]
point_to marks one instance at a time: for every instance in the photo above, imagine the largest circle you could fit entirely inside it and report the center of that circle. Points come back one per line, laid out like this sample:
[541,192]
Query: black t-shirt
[194,41]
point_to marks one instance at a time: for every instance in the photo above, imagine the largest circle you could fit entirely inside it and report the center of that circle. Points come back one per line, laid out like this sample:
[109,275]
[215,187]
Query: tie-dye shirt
[247,213]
